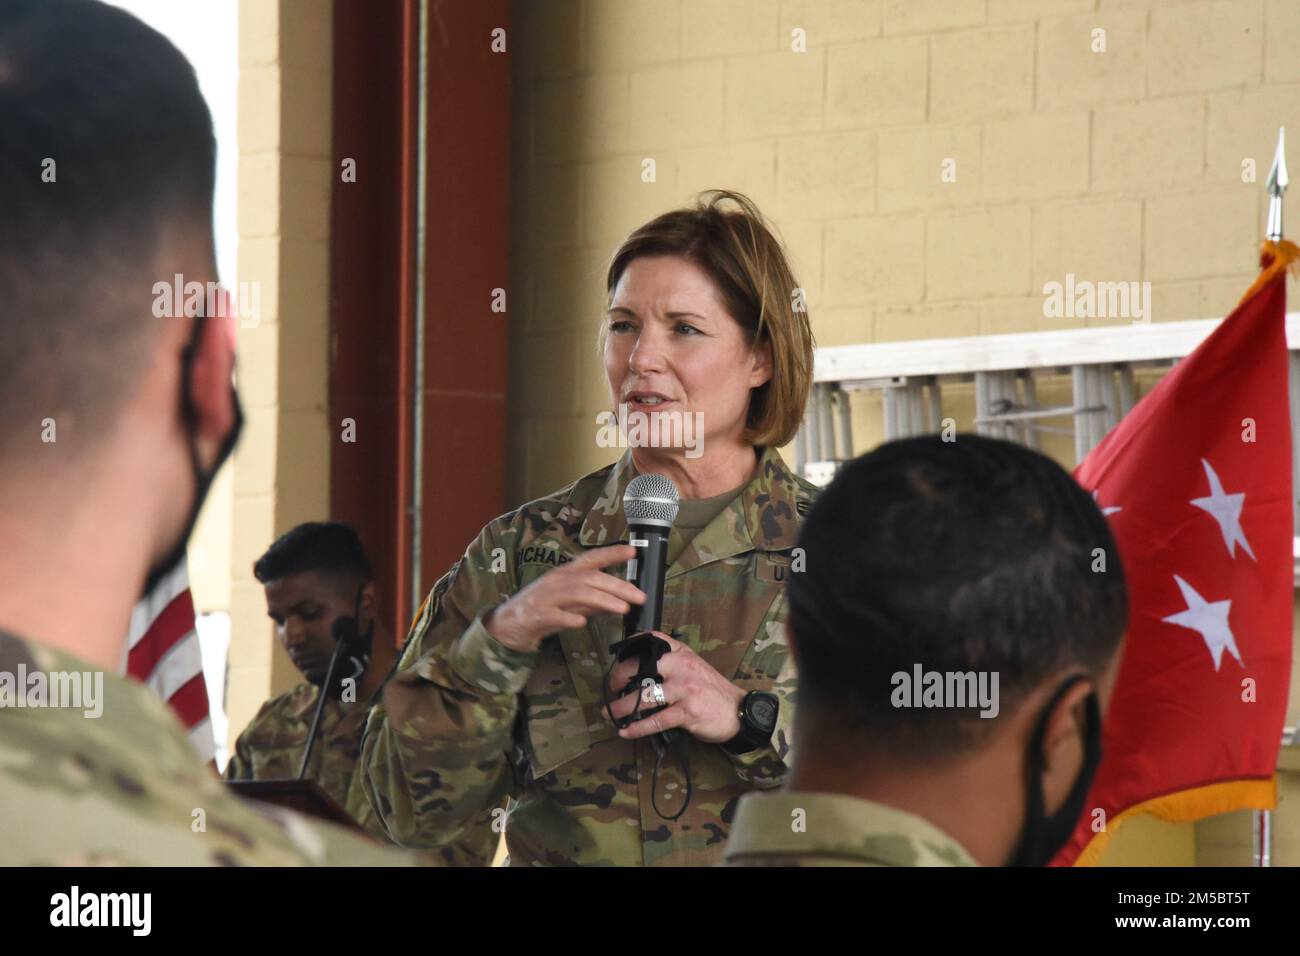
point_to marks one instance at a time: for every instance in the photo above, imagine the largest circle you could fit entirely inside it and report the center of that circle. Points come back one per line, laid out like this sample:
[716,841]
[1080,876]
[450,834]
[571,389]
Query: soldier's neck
[72,570]
[718,470]
[967,801]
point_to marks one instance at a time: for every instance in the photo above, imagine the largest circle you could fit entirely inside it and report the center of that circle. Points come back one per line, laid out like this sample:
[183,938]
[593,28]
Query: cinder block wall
[281,466]
[1132,164]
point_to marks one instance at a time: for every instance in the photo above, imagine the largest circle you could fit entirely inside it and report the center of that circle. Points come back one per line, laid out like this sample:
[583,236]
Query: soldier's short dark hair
[968,555]
[725,235]
[107,145]
[329,547]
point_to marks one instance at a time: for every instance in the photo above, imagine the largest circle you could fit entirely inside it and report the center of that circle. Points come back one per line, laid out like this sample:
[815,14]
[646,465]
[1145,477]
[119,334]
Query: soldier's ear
[1064,745]
[761,373]
[369,597]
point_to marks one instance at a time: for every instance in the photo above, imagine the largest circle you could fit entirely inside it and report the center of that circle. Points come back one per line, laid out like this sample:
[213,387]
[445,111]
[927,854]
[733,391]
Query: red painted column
[468,222]
[373,280]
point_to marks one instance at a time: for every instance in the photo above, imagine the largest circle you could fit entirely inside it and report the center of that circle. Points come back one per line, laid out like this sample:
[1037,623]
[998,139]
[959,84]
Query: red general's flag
[1196,484]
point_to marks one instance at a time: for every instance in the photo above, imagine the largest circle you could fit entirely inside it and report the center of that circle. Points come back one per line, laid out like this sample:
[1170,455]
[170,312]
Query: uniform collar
[35,656]
[836,826]
[762,517]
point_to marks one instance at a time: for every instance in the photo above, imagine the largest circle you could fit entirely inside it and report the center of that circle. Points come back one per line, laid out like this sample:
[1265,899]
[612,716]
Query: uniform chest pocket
[720,610]
[556,703]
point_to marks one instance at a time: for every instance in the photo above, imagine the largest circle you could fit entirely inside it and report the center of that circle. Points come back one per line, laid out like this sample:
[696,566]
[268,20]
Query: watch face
[762,711]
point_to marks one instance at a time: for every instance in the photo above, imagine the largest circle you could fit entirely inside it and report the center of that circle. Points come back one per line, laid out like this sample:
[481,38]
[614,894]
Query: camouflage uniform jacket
[465,722]
[126,787]
[793,828]
[271,746]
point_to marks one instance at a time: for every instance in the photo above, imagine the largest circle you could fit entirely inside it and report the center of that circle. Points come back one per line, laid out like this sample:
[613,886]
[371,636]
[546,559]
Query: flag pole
[1277,183]
[1262,830]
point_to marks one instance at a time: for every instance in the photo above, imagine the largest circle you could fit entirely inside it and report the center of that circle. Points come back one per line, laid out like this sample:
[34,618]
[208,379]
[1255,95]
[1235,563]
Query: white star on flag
[1106,512]
[1210,618]
[1225,509]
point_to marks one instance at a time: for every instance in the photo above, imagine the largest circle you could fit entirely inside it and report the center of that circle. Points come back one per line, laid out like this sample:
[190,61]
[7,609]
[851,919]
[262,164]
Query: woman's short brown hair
[735,247]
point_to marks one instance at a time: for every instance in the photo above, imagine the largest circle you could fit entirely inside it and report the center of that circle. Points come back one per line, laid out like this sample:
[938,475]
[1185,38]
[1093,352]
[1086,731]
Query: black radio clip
[647,647]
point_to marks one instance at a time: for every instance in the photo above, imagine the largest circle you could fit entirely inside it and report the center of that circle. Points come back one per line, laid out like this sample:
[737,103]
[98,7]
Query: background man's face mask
[356,646]
[1042,836]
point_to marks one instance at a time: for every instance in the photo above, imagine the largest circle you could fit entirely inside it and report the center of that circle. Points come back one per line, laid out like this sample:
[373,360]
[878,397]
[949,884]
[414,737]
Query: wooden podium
[299,793]
[303,796]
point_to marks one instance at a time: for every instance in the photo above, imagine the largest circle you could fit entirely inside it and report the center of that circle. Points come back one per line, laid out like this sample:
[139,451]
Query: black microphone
[333,676]
[352,646]
[650,504]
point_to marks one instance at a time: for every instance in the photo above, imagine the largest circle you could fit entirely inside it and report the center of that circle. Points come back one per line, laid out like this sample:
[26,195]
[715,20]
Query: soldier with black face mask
[957,635]
[115,420]
[320,590]
[318,584]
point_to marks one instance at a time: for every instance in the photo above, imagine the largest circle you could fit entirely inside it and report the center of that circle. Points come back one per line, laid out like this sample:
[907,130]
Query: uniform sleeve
[240,765]
[436,758]
[765,768]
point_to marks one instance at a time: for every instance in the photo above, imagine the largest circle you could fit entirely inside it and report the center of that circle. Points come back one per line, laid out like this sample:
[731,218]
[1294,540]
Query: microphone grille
[650,498]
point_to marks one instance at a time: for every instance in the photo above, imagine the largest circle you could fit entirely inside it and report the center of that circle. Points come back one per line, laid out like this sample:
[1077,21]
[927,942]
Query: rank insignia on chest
[774,567]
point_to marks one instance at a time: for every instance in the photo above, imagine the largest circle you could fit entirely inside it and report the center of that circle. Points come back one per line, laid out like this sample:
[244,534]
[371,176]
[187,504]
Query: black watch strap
[758,712]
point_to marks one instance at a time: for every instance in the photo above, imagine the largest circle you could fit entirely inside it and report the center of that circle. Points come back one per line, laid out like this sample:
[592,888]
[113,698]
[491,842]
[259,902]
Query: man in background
[114,418]
[318,583]
[957,634]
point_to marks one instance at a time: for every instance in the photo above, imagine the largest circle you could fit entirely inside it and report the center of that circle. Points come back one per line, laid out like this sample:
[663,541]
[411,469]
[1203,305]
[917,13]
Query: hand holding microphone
[697,698]
[563,598]
[664,684]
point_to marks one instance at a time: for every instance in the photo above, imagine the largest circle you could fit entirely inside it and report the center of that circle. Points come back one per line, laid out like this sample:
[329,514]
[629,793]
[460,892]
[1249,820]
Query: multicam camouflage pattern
[271,747]
[791,828]
[127,789]
[466,724]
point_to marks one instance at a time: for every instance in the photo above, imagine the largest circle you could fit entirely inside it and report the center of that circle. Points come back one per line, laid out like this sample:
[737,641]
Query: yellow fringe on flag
[1188,805]
[1284,254]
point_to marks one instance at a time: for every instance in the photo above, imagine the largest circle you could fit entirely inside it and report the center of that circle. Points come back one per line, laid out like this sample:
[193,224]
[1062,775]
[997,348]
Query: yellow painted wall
[280,471]
[1132,164]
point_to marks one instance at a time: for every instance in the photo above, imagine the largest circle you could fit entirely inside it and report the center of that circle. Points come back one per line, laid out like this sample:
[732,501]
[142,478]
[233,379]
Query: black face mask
[1042,836]
[202,480]
[356,646]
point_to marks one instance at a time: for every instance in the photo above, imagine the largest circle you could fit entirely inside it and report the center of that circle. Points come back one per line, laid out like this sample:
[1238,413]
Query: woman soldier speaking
[500,695]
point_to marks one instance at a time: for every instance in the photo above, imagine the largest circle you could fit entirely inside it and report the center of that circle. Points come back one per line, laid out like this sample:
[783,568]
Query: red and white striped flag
[163,654]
